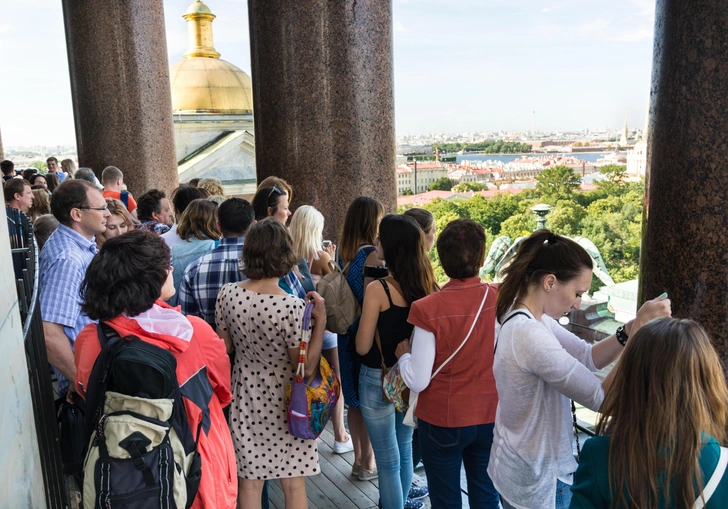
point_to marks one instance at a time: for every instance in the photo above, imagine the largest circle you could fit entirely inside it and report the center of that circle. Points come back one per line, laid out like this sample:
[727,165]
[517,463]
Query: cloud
[400,28]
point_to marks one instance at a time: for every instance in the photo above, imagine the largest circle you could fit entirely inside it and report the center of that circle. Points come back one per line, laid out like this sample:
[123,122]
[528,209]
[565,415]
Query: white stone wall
[21,479]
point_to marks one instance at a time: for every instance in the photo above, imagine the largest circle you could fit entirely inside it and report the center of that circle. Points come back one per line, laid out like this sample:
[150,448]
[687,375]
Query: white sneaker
[344,447]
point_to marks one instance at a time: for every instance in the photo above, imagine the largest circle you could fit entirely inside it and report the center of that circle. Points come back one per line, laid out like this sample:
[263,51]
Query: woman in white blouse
[539,366]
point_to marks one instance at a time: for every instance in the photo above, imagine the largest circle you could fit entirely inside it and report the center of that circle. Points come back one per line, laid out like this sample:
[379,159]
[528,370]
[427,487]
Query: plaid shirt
[204,278]
[63,263]
[153,226]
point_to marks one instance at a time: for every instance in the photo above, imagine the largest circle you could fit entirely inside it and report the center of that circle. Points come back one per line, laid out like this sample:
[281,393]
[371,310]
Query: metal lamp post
[541,210]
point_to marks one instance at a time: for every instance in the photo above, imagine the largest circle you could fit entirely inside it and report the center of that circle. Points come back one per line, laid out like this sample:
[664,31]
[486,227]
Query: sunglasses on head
[274,190]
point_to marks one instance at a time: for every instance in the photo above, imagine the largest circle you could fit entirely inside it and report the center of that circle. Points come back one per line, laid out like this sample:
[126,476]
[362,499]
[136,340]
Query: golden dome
[210,85]
[202,83]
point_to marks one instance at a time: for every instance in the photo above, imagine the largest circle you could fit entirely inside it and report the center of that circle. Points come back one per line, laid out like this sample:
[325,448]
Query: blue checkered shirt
[63,263]
[205,277]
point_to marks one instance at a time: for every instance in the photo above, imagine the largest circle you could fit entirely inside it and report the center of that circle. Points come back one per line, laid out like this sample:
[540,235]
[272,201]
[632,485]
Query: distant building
[637,159]
[212,107]
[427,173]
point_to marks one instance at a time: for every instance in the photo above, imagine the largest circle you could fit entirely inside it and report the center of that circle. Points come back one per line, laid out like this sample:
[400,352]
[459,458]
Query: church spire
[199,29]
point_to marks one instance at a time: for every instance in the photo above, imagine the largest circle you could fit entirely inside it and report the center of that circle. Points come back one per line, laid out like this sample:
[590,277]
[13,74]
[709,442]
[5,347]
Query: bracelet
[622,336]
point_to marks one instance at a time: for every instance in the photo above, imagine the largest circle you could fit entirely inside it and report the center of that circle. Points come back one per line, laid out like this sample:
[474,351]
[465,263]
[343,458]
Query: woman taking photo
[539,366]
[361,226]
[262,324]
[135,307]
[384,324]
[117,224]
[662,420]
[199,234]
[453,340]
[307,226]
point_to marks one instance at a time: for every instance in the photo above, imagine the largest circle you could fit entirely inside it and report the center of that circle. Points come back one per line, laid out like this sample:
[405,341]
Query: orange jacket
[203,372]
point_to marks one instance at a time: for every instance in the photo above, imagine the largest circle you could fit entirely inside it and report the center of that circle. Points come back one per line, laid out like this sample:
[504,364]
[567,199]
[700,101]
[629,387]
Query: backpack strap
[714,480]
[124,196]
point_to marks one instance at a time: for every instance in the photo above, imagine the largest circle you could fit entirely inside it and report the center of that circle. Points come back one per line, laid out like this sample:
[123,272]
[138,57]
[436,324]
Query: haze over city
[460,66]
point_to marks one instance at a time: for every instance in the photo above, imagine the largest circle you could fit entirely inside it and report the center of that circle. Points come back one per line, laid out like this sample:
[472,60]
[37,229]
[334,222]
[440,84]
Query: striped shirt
[63,263]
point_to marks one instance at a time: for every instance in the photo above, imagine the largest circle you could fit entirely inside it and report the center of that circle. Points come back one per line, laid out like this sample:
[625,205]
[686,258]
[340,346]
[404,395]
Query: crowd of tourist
[223,284]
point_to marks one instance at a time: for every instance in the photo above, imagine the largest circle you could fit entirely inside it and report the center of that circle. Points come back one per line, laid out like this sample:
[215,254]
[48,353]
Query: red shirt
[117,196]
[204,353]
[464,392]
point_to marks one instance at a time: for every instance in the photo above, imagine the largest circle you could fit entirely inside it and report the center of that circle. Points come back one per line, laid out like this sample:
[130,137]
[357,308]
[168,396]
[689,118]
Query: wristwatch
[622,336]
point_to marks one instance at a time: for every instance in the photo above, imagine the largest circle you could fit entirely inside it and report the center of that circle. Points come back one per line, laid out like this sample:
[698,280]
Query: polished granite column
[685,240]
[117,57]
[323,94]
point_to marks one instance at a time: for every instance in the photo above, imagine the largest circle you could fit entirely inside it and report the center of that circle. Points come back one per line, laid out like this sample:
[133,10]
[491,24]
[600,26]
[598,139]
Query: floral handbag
[394,388]
[310,403]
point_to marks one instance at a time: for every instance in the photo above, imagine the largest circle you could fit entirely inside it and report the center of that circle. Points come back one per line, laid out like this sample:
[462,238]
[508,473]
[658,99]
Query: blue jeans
[391,440]
[563,497]
[444,450]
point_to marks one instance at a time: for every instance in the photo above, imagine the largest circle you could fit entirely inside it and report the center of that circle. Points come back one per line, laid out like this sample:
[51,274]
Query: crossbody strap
[378,338]
[305,328]
[505,322]
[477,315]
[714,480]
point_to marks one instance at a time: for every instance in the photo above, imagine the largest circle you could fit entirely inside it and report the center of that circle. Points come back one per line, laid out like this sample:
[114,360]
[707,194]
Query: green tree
[519,225]
[614,176]
[557,183]
[407,192]
[464,187]
[441,184]
[41,165]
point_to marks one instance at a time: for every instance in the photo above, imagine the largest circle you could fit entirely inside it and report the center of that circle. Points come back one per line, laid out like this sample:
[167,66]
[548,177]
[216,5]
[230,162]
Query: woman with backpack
[357,250]
[660,427]
[115,295]
[382,327]
[539,366]
[307,226]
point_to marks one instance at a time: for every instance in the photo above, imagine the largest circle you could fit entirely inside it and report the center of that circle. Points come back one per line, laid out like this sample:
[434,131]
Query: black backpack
[141,453]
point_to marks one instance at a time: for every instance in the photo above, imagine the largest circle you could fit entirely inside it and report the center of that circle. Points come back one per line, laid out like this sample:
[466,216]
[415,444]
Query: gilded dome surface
[210,85]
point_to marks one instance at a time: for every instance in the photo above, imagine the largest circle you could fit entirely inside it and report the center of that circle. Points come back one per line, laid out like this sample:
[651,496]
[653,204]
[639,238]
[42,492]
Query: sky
[459,65]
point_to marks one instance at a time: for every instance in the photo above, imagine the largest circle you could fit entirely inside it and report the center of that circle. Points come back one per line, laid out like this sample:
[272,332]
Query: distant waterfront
[589,157]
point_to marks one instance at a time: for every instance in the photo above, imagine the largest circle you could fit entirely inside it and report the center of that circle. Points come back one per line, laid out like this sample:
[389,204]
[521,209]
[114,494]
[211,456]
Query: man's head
[52,163]
[112,179]
[154,206]
[81,206]
[7,167]
[183,195]
[18,194]
[86,174]
[235,216]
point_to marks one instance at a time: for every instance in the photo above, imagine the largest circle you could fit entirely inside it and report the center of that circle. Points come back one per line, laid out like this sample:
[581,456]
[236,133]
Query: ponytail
[541,254]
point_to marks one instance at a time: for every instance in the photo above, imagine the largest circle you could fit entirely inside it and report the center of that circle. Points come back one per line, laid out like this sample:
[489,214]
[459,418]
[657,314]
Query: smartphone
[327,243]
[375,271]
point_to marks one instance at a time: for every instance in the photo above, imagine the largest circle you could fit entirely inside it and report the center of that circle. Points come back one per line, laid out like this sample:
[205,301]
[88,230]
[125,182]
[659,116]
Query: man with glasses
[81,211]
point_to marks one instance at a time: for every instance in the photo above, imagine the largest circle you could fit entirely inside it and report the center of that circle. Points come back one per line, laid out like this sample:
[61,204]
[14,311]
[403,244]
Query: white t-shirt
[539,366]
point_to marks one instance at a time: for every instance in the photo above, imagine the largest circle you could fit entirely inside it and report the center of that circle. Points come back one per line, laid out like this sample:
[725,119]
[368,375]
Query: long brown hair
[541,254]
[361,225]
[199,220]
[403,245]
[669,389]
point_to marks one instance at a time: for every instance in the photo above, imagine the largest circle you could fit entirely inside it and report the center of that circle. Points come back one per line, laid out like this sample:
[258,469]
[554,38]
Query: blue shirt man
[82,212]
[204,278]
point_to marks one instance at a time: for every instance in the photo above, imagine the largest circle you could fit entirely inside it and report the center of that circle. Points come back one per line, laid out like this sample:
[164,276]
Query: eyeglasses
[274,190]
[100,209]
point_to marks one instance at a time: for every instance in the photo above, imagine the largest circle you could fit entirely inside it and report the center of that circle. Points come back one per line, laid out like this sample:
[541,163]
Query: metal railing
[25,263]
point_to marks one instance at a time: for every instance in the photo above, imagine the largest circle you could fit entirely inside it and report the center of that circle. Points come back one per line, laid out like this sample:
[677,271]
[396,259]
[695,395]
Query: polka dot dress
[263,328]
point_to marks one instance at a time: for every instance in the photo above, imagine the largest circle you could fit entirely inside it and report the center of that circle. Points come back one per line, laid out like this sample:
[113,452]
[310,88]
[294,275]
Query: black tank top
[393,328]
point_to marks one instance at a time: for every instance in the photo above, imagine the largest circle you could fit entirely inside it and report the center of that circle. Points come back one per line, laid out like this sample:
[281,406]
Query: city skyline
[465,67]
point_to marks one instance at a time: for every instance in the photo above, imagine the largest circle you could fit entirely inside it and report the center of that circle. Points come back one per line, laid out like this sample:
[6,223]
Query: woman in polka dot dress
[262,323]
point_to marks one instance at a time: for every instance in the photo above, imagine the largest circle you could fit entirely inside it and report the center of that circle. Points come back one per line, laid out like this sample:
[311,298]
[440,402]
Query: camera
[375,271]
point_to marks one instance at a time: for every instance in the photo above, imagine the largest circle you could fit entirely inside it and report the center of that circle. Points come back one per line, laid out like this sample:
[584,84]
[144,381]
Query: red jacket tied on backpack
[203,372]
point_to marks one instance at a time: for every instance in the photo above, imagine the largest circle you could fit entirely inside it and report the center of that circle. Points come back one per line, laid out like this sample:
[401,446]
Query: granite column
[684,238]
[323,94]
[117,57]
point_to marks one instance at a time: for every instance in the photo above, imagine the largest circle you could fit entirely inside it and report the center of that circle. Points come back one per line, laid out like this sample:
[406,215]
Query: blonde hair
[307,226]
[668,391]
[117,208]
[212,186]
[68,166]
[199,220]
